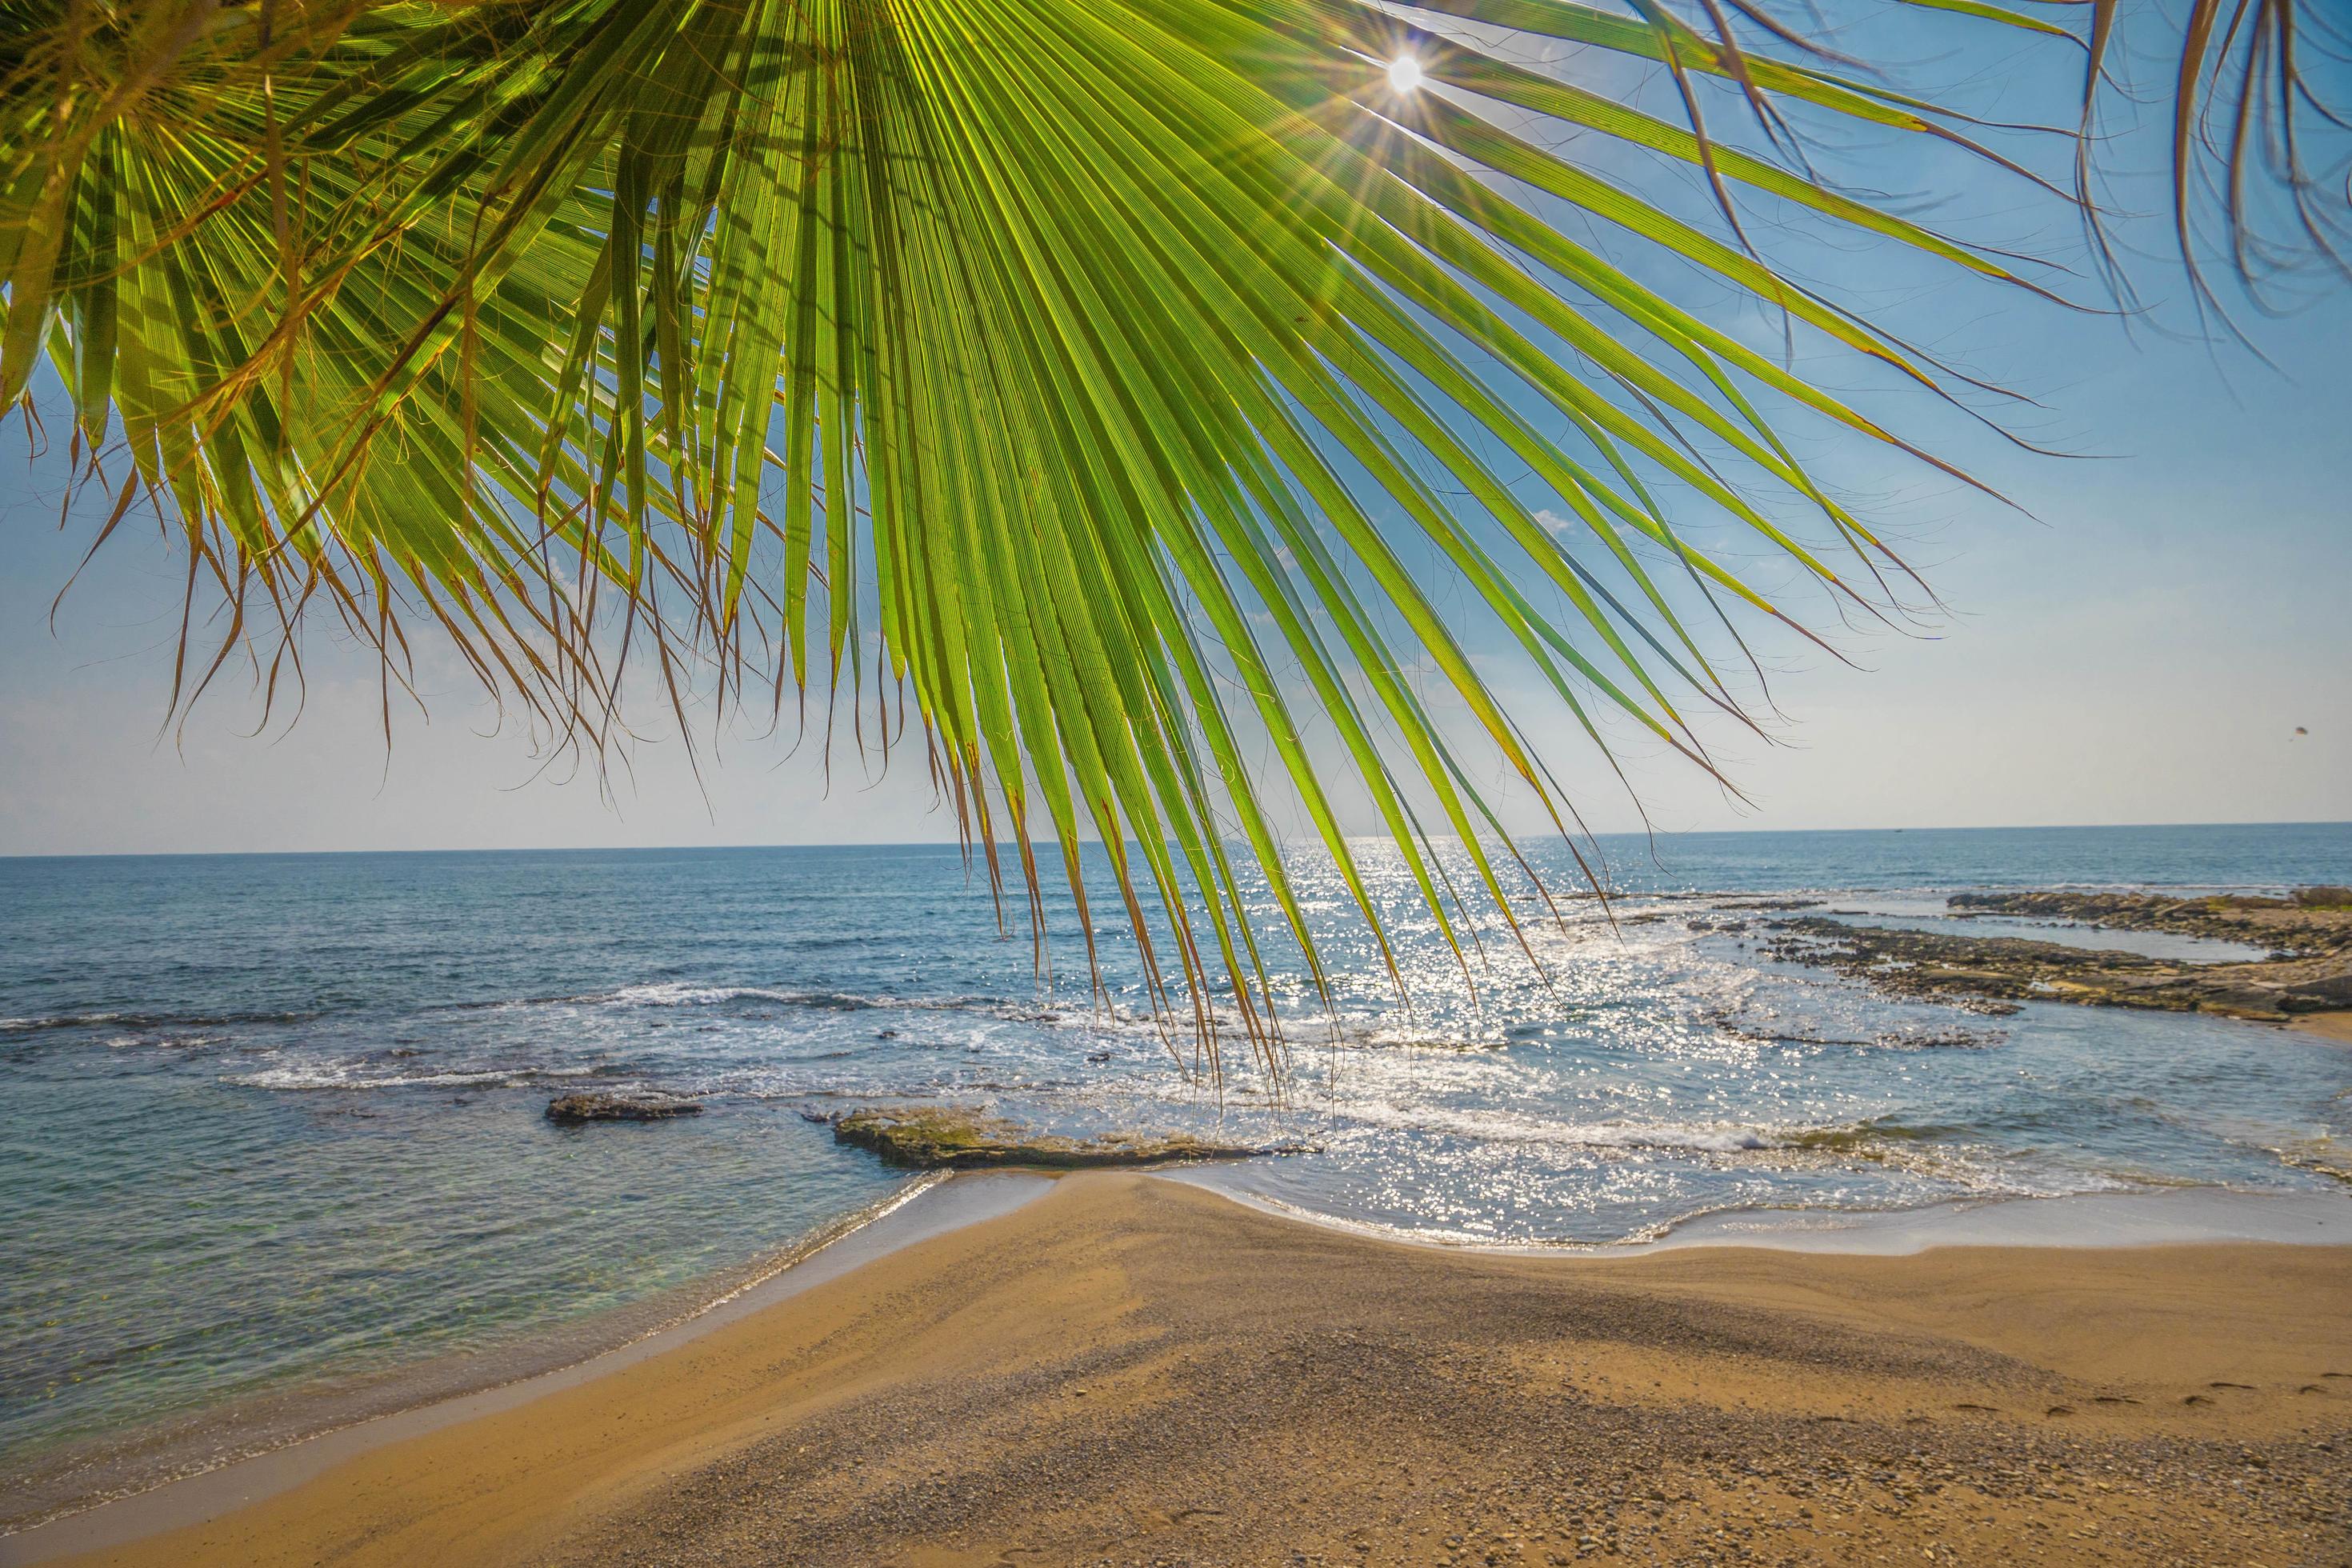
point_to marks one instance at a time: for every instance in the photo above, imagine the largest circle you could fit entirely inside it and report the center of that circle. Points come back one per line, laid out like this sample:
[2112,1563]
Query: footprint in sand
[2113,1399]
[1995,1409]
[2060,1410]
[2196,1399]
[2247,1387]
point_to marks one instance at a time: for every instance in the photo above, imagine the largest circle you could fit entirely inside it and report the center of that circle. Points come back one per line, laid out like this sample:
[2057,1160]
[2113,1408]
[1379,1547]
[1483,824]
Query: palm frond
[2257,98]
[1109,373]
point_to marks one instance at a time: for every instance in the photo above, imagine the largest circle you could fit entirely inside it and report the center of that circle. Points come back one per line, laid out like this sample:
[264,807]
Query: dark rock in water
[1892,1039]
[937,1137]
[2309,922]
[574,1109]
[2310,969]
[2317,993]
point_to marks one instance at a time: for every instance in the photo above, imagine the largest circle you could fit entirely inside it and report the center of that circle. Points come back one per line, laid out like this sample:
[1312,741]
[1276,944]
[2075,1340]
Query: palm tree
[1134,380]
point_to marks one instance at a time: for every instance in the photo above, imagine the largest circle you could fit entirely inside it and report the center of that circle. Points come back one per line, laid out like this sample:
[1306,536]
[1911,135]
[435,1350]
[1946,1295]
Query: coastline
[92,1472]
[262,1460]
[2178,1216]
[1062,1372]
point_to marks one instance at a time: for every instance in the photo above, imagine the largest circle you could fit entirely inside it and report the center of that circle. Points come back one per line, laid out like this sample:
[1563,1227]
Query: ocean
[274,1152]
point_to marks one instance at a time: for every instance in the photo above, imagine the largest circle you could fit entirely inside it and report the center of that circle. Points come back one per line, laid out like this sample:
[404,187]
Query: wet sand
[1129,1370]
[2331,1025]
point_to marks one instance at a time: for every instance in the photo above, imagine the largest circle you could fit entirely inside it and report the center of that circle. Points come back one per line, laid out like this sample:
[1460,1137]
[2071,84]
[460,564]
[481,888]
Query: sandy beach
[2329,1025]
[1129,1369]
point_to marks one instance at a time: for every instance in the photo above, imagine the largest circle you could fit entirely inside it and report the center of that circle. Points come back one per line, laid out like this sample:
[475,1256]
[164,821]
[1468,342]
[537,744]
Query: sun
[1404,73]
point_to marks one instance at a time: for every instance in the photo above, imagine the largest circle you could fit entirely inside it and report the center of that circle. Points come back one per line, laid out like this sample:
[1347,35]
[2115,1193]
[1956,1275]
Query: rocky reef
[2309,936]
[571,1110]
[2311,920]
[938,1138]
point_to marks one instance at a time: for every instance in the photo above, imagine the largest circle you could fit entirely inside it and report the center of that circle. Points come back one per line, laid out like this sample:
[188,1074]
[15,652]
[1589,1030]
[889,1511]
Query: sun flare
[1404,73]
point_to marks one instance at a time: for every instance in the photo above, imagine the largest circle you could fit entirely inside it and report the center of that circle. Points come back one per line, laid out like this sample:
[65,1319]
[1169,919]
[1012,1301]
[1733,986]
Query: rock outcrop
[2309,936]
[935,1138]
[2308,921]
[571,1110]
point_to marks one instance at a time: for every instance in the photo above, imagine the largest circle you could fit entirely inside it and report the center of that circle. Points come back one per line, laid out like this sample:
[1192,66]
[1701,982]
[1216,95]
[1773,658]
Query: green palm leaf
[1101,372]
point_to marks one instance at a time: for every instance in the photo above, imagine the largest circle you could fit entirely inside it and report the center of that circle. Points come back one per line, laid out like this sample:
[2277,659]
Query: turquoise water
[276,1120]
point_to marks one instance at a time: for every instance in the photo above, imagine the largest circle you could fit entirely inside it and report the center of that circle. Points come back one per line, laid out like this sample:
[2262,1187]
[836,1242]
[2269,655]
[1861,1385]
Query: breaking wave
[351,1075]
[145,1022]
[1708,1138]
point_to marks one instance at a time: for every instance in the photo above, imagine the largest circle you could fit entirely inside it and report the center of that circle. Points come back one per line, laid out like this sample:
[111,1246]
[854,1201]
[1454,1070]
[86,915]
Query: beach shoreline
[137,1487]
[199,1464]
[77,1475]
[2335,1026]
[2174,1216]
[1001,1369]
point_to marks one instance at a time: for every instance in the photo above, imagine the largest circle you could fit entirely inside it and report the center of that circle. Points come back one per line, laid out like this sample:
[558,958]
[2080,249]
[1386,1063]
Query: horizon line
[1530,840]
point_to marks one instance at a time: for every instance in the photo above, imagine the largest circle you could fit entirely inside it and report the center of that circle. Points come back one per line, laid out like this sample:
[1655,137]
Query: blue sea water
[274,1122]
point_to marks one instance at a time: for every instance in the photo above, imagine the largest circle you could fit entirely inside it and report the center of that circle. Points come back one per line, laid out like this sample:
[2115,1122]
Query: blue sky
[2142,649]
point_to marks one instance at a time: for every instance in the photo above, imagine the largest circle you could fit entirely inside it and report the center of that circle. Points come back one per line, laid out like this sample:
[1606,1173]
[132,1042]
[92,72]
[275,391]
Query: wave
[684,994]
[147,1022]
[2322,1156]
[680,994]
[62,1021]
[1936,1150]
[169,1042]
[1641,1235]
[1869,1134]
[1958,1156]
[677,994]
[1309,1030]
[350,1075]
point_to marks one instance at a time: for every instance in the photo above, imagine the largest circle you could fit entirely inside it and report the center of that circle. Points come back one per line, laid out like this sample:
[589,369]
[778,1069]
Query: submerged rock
[936,1138]
[574,1109]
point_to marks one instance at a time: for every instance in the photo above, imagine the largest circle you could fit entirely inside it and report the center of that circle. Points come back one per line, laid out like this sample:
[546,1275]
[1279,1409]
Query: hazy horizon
[949,842]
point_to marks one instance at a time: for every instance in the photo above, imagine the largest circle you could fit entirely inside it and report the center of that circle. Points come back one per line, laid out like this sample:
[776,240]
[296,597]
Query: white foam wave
[674,994]
[65,1021]
[352,1075]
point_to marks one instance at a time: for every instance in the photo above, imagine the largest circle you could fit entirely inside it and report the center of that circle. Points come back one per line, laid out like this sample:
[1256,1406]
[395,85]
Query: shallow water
[277,1120]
